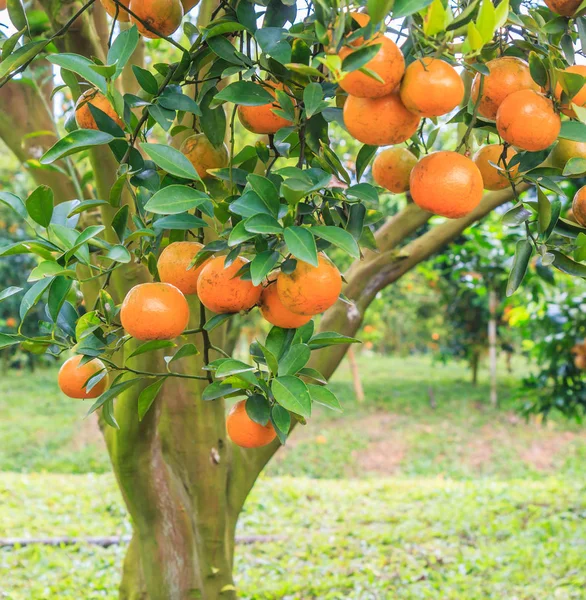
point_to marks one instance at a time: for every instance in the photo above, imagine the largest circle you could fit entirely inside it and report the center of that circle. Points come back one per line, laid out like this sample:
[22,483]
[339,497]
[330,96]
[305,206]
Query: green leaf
[171,160]
[122,49]
[9,340]
[112,392]
[258,409]
[339,237]
[175,199]
[9,291]
[486,21]
[266,191]
[175,101]
[80,65]
[245,93]
[573,130]
[239,234]
[270,358]
[119,254]
[313,374]
[40,205]
[365,155]
[216,321]
[33,295]
[537,69]
[313,99]
[567,265]
[18,17]
[297,357]
[379,9]
[261,265]
[57,294]
[14,202]
[281,420]
[148,396]
[301,243]
[251,204]
[405,8]
[436,19]
[152,345]
[232,367]
[76,141]
[218,390]
[322,395]
[292,393]
[523,251]
[146,80]
[183,352]
[330,338]
[359,58]
[543,210]
[20,56]
[264,224]
[516,215]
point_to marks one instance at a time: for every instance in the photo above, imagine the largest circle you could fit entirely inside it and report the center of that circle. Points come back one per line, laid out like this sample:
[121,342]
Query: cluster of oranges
[154,311]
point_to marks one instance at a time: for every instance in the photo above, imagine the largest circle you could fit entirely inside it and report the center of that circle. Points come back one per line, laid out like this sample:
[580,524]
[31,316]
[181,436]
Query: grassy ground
[459,501]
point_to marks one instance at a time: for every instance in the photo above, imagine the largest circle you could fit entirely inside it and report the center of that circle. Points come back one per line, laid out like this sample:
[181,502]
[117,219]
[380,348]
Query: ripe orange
[507,75]
[244,432]
[565,150]
[3,4]
[528,120]
[579,99]
[174,264]
[493,178]
[392,167]
[163,16]
[447,184]
[110,7]
[431,87]
[274,312]
[310,290]
[579,206]
[203,155]
[379,121]
[262,119]
[388,63]
[72,377]
[565,8]
[154,311]
[221,291]
[83,115]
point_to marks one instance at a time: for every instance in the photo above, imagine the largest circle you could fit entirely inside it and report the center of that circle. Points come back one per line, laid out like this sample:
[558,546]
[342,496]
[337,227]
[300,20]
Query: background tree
[99,220]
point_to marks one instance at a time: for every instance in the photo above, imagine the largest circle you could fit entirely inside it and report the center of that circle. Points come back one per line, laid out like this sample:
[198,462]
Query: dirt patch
[542,453]
[88,434]
[479,453]
[384,457]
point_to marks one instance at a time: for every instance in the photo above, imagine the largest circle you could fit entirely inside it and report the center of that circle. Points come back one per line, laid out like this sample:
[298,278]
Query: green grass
[394,538]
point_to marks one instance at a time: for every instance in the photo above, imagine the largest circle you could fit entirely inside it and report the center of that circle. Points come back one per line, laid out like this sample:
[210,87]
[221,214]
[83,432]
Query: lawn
[392,499]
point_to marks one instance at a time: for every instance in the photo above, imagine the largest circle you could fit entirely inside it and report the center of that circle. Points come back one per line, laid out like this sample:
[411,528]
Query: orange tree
[108,138]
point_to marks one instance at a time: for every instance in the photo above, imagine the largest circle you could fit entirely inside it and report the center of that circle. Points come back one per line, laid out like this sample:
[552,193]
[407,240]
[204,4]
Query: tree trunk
[358,389]
[474,364]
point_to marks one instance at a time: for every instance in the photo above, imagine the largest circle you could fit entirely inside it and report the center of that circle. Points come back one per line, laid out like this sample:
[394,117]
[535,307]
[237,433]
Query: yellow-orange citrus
[163,16]
[392,168]
[3,4]
[431,87]
[72,377]
[110,7]
[579,206]
[83,115]
[221,291]
[507,75]
[528,120]
[493,178]
[564,151]
[244,432]
[273,310]
[447,184]
[262,119]
[154,311]
[565,8]
[388,63]
[173,266]
[203,155]
[579,99]
[310,290]
[379,121]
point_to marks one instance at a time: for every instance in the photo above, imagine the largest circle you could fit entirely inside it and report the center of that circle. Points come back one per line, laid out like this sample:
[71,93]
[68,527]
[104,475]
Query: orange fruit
[447,184]
[275,313]
[310,290]
[431,87]
[83,115]
[388,63]
[528,120]
[565,8]
[244,432]
[110,7]
[379,121]
[173,266]
[579,206]
[493,178]
[507,75]
[565,150]
[392,167]
[3,4]
[579,99]
[203,155]
[262,119]
[221,291]
[163,16]
[154,311]
[72,377]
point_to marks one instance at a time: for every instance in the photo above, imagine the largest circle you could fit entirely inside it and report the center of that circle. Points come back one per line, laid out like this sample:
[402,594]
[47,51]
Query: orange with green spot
[83,115]
[262,119]
[203,155]
[392,168]
[174,262]
[273,310]
[493,178]
[72,378]
[244,432]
